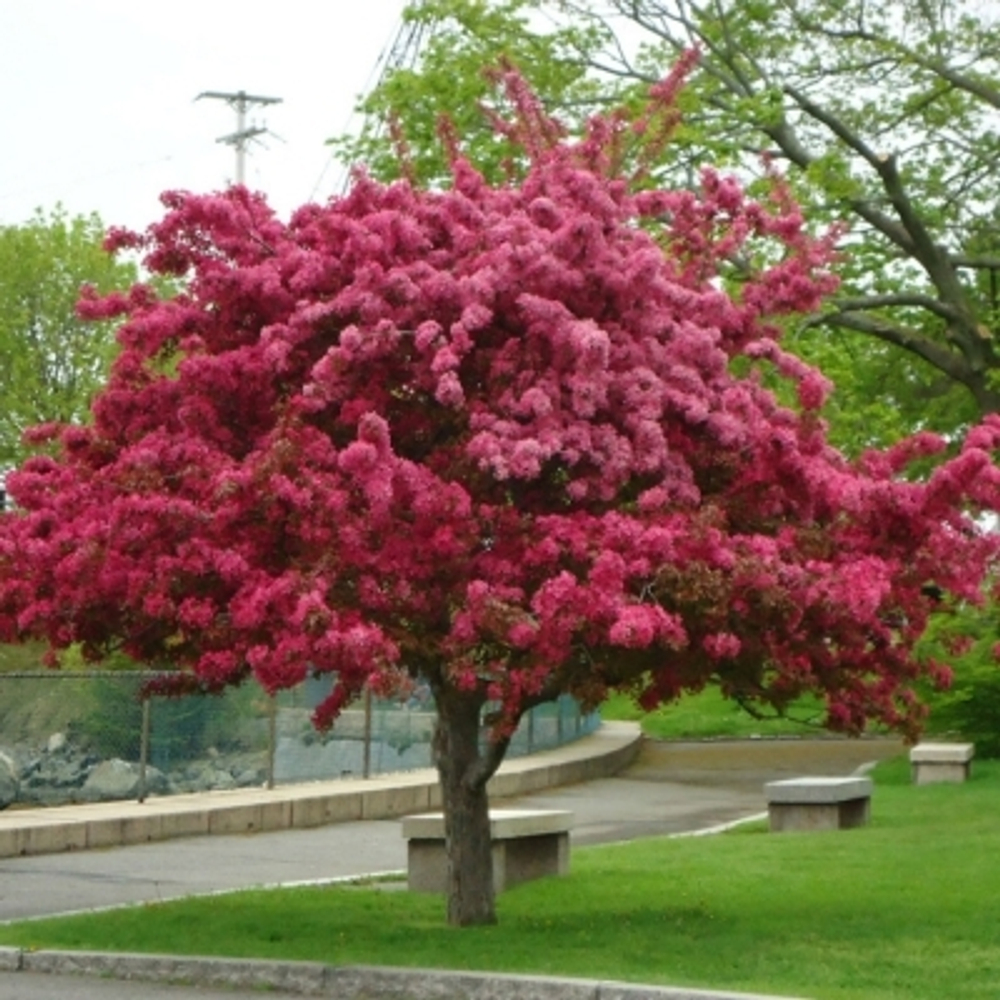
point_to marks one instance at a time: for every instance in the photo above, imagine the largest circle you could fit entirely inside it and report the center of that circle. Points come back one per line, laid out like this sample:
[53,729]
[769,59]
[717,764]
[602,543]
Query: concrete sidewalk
[617,787]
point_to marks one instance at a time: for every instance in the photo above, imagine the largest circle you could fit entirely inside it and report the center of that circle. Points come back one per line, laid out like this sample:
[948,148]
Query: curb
[357,982]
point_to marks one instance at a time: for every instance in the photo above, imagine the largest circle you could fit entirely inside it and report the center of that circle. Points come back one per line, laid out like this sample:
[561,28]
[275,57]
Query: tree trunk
[464,771]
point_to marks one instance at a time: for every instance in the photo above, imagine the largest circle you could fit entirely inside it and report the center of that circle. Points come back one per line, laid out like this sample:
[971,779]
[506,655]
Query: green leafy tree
[442,66]
[51,362]
[967,637]
[883,115]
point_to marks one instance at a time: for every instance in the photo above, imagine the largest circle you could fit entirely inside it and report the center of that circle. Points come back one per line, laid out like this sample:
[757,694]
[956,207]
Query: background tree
[512,439]
[881,114]
[51,362]
[446,51]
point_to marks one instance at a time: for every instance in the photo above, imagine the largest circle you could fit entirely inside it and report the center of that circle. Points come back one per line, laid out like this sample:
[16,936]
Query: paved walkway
[669,788]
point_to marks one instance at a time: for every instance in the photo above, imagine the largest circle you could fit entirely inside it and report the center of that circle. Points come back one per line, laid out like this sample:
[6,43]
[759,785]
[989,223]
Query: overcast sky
[97,104]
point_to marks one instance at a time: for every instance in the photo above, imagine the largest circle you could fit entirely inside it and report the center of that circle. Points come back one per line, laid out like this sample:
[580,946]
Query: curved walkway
[299,806]
[618,787]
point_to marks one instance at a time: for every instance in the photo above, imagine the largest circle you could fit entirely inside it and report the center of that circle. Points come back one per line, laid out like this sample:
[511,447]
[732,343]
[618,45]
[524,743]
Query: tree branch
[962,81]
[486,766]
[945,360]
[932,257]
[976,262]
[928,302]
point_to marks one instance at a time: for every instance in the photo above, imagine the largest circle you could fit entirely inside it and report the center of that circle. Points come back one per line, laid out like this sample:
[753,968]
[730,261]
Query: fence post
[272,737]
[143,748]
[367,749]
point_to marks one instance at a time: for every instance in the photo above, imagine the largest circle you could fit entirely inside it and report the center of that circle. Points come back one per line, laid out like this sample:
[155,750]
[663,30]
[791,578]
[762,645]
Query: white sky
[97,105]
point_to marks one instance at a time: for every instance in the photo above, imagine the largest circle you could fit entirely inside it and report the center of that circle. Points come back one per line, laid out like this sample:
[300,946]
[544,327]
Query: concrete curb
[346,982]
[116,824]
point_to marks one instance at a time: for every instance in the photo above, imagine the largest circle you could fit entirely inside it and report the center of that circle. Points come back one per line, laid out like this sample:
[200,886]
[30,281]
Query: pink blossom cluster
[493,435]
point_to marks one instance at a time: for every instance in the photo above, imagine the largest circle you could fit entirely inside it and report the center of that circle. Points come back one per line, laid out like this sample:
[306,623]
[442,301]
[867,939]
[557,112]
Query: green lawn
[906,908]
[709,715]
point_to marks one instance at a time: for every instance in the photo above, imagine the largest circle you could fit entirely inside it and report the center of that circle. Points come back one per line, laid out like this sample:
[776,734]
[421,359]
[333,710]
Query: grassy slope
[708,715]
[32,709]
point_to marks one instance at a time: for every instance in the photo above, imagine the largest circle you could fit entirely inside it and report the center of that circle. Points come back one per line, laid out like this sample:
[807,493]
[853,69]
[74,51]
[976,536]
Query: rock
[202,776]
[9,784]
[112,779]
[250,778]
[57,772]
[222,781]
[56,742]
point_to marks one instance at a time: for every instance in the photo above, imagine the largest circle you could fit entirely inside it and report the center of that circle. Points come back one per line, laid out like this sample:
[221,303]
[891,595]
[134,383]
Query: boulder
[119,779]
[202,776]
[56,771]
[9,783]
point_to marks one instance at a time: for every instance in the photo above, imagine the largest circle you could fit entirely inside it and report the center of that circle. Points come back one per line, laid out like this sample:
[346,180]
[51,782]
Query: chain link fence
[90,736]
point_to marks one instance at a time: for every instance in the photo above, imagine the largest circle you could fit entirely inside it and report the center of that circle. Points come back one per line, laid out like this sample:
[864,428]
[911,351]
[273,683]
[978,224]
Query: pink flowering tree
[514,440]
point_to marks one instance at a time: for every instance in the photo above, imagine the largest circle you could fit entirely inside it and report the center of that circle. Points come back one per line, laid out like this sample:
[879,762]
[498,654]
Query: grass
[20,658]
[905,908]
[709,715]
[31,709]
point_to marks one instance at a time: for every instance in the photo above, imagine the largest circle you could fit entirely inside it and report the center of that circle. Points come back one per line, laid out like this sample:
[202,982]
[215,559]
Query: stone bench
[818,803]
[931,762]
[527,844]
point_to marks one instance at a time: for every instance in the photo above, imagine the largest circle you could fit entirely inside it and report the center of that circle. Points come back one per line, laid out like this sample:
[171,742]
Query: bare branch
[836,125]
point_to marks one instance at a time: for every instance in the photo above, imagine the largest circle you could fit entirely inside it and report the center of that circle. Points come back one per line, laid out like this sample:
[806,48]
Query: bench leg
[787,816]
[930,773]
[528,858]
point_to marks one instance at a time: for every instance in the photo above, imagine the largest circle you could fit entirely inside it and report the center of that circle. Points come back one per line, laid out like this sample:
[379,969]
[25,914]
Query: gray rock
[9,783]
[202,776]
[112,779]
[48,796]
[56,772]
[220,780]
[56,742]
[156,782]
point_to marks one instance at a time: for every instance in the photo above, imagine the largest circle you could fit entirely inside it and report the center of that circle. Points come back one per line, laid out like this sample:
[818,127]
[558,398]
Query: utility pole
[241,101]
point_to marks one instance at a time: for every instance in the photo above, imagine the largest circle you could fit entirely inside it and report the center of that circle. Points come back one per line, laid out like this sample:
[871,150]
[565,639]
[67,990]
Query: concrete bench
[818,803]
[527,844]
[931,762]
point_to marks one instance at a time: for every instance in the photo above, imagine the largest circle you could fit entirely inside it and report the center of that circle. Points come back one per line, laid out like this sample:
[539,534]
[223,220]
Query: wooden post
[143,748]
[272,737]
[367,750]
